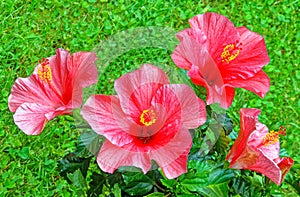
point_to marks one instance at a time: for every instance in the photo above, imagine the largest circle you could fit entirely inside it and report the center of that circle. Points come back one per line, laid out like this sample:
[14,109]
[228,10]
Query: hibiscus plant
[154,137]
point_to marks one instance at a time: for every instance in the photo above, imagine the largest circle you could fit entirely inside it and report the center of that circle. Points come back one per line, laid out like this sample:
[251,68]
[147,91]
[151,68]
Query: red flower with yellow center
[147,120]
[257,149]
[54,88]
[221,57]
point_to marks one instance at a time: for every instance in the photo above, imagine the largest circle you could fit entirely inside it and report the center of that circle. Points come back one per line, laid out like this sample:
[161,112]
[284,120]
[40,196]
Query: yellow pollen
[230,52]
[45,73]
[148,117]
[273,137]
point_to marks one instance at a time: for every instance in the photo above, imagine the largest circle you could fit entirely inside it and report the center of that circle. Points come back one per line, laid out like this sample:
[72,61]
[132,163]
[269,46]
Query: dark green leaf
[220,190]
[77,179]
[91,141]
[70,163]
[155,194]
[222,143]
[96,185]
[136,183]
[169,183]
[207,177]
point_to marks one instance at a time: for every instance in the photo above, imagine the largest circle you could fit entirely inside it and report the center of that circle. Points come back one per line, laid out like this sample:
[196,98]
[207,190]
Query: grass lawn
[31,30]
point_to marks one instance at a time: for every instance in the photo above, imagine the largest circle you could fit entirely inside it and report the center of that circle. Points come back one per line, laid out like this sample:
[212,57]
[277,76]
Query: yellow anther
[45,73]
[230,52]
[273,137]
[148,117]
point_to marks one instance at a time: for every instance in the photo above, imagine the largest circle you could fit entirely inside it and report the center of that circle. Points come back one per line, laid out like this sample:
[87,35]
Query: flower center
[273,137]
[230,52]
[148,117]
[44,71]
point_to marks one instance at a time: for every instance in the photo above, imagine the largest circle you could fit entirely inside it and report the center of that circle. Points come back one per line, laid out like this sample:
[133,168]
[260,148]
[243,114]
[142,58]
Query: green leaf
[77,179]
[155,194]
[136,183]
[206,178]
[91,141]
[117,190]
[222,143]
[220,190]
[215,107]
[243,187]
[211,136]
[70,163]
[114,178]
[96,185]
[169,183]
[224,120]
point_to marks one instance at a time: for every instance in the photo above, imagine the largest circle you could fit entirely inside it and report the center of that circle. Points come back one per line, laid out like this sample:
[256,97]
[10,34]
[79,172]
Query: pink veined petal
[252,56]
[259,83]
[247,158]
[70,73]
[110,157]
[187,52]
[172,157]
[177,167]
[30,117]
[192,109]
[218,29]
[249,118]
[267,167]
[224,98]
[59,71]
[105,116]
[196,35]
[217,92]
[285,165]
[30,90]
[256,140]
[83,72]
[136,89]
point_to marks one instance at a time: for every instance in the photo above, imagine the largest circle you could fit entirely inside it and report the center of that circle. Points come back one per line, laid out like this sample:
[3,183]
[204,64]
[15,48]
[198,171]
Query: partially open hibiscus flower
[147,120]
[221,57]
[257,149]
[54,88]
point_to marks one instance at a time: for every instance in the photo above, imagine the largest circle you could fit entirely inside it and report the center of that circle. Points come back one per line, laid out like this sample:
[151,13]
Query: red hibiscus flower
[147,120]
[257,149]
[54,88]
[221,57]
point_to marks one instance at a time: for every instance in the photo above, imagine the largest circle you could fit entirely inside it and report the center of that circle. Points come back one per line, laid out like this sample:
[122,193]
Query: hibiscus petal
[249,118]
[256,140]
[218,30]
[105,116]
[180,99]
[30,90]
[192,41]
[285,165]
[217,92]
[71,73]
[84,73]
[137,88]
[267,167]
[59,70]
[110,157]
[172,157]
[259,83]
[30,117]
[252,56]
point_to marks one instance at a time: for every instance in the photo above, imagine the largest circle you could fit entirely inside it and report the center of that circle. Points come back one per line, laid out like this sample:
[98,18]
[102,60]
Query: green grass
[31,30]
